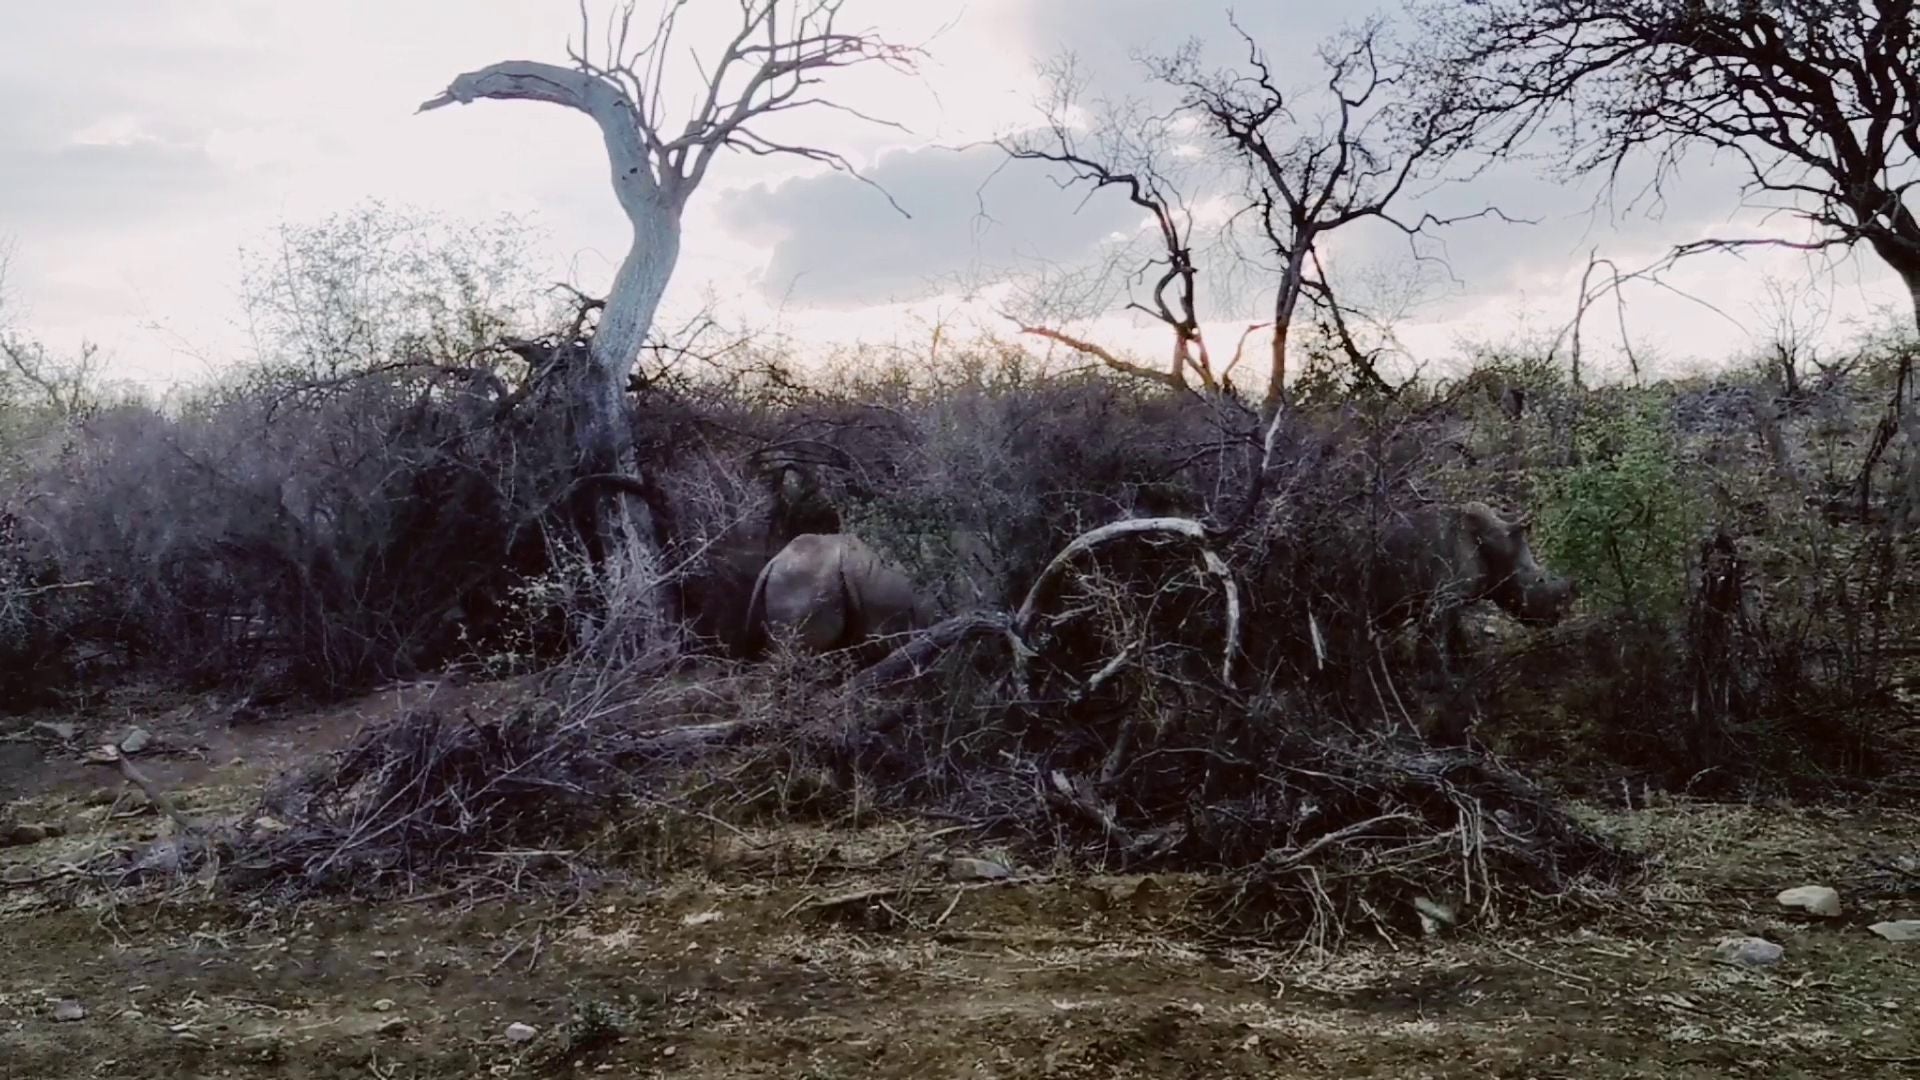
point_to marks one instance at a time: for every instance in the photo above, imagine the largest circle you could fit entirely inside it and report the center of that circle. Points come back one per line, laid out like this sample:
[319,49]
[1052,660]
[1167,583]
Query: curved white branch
[628,143]
[1121,530]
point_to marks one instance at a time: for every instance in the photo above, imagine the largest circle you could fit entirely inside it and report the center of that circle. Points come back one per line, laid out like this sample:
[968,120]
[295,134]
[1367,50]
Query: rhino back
[803,589]
[886,596]
[1422,555]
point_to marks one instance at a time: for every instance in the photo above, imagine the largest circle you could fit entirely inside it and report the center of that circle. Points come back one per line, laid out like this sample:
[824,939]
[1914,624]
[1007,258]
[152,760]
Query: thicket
[382,493]
[385,493]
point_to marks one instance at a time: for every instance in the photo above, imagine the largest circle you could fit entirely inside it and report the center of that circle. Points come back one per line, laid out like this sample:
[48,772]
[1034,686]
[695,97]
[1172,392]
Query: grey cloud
[162,86]
[835,241]
[55,188]
[1106,34]
[1562,221]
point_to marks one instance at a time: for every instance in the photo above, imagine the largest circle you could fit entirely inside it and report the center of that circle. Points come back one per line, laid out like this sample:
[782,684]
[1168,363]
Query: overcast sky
[145,141]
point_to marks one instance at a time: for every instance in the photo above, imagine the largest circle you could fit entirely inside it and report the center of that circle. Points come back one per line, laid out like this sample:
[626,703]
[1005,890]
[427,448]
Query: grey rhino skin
[716,598]
[832,591]
[1435,560]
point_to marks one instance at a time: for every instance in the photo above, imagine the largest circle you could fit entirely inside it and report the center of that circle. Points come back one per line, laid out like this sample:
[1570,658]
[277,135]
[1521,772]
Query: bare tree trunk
[603,443]
[1912,279]
[604,440]
[1277,376]
[1285,303]
[1894,419]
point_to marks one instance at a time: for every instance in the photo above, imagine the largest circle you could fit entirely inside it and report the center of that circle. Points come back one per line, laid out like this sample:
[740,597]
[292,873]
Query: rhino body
[1450,556]
[716,597]
[1432,562]
[832,591]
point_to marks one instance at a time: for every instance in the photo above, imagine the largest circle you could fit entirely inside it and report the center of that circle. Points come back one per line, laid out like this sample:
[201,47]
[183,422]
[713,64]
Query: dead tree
[1129,149]
[1308,174]
[1818,99]
[773,64]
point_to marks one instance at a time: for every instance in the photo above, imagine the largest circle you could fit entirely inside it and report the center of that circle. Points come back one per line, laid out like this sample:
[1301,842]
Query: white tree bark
[653,205]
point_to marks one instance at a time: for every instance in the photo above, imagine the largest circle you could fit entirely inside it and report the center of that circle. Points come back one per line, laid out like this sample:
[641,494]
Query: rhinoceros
[1436,560]
[784,502]
[832,591]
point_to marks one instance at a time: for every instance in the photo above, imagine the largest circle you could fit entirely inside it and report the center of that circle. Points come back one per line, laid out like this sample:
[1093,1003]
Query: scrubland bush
[386,491]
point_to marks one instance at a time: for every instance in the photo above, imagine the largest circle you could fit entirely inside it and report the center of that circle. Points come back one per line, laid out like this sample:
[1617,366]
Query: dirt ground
[806,953]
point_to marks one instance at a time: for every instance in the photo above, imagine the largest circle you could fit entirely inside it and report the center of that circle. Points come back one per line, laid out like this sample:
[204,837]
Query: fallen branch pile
[1314,833]
[1149,763]
[432,796]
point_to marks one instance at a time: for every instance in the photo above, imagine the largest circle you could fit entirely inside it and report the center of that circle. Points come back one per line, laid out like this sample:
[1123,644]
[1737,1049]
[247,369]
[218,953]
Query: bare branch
[1308,174]
[1086,542]
[1098,352]
[1131,153]
[1819,101]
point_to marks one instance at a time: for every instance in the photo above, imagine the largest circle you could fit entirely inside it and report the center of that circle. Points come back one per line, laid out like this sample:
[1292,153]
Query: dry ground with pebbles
[816,953]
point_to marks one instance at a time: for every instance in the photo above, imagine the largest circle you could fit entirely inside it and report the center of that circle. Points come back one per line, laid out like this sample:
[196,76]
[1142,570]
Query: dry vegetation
[1243,868]
[345,727]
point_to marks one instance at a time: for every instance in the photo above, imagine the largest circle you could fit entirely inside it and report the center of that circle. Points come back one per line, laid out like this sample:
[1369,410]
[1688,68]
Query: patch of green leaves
[1620,519]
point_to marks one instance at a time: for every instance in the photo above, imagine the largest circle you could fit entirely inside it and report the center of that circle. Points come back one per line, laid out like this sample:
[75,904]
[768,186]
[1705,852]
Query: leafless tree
[1131,148]
[773,65]
[1302,175]
[1308,174]
[1819,100]
[1794,318]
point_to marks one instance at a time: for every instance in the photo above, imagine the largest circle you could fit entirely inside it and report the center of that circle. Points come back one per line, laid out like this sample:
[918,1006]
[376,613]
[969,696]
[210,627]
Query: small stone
[518,1032]
[135,741]
[1749,952]
[269,824]
[969,869]
[21,835]
[1816,900]
[67,1010]
[383,1005]
[1898,930]
[392,1025]
[63,731]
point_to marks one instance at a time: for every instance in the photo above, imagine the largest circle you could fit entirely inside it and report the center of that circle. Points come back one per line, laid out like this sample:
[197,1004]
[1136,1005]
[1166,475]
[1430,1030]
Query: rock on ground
[1817,900]
[969,869]
[1749,952]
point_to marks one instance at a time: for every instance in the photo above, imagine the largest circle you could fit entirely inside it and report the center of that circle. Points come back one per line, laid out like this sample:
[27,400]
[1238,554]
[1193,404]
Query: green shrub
[1619,519]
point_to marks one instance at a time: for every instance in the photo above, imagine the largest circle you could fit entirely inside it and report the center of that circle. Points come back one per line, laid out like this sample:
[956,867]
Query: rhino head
[1503,568]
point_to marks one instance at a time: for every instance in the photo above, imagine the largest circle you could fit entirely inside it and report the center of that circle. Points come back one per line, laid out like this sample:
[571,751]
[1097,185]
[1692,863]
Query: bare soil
[818,953]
